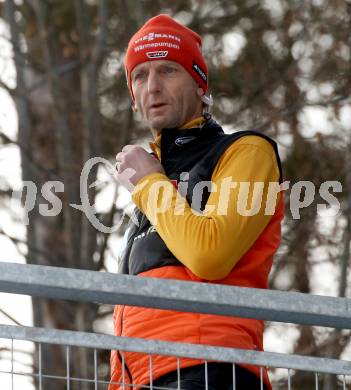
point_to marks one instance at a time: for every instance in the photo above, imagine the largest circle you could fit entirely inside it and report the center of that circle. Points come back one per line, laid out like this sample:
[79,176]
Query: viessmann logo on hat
[151,36]
[157,54]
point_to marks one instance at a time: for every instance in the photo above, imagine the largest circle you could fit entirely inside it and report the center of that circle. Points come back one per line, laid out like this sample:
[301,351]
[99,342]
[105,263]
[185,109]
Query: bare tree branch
[23,58]
[286,112]
[100,48]
[62,130]
[3,312]
[124,139]
[58,70]
[108,222]
[22,100]
[345,257]
[30,158]
[17,242]
[15,350]
[7,192]
[5,140]
[90,108]
[10,90]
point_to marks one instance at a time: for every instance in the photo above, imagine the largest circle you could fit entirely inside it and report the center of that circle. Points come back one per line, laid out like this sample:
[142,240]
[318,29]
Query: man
[207,238]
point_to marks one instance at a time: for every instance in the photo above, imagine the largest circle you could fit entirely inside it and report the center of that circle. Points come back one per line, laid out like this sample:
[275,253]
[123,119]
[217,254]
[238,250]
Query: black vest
[193,151]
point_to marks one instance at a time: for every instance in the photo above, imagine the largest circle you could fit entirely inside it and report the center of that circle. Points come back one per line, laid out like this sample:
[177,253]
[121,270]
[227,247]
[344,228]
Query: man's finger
[119,156]
[128,147]
[125,176]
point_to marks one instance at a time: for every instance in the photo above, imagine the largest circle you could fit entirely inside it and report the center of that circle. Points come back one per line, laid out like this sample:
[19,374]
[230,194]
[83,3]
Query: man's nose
[153,82]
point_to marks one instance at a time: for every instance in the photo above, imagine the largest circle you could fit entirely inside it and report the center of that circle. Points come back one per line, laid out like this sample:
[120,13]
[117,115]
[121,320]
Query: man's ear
[200,92]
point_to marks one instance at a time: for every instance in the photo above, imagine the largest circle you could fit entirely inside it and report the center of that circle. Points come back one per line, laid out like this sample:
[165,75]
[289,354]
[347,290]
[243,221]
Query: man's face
[165,94]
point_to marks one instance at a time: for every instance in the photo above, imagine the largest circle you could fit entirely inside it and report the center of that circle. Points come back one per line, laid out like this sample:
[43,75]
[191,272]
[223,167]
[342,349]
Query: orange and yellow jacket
[227,235]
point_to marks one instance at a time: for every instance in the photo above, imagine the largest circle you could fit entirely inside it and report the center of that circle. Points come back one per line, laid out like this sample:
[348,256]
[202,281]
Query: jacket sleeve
[237,211]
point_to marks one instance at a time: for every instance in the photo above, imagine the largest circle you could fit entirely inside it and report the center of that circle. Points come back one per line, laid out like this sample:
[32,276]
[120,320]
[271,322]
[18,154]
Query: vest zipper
[119,354]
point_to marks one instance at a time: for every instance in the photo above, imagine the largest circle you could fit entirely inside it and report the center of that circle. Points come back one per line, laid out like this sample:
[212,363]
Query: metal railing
[89,286]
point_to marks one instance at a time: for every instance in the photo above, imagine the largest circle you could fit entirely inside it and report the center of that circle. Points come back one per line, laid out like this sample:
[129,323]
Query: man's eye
[169,69]
[138,76]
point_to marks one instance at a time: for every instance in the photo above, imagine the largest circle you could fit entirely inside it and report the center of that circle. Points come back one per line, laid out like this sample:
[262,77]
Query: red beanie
[162,38]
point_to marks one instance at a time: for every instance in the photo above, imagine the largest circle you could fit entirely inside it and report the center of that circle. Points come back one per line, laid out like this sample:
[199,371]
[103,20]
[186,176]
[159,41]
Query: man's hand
[133,163]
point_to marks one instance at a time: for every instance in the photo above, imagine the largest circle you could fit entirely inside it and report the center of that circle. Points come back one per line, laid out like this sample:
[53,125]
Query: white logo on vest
[184,140]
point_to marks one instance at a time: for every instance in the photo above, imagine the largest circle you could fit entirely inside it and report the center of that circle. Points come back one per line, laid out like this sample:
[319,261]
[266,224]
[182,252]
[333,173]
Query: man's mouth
[157,105]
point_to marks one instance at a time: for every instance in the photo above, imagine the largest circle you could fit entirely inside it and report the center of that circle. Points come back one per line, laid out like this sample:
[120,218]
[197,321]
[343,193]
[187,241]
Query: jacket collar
[181,136]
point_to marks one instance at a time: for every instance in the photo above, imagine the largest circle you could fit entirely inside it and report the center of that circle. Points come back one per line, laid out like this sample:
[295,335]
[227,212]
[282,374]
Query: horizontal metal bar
[56,377]
[208,353]
[211,298]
